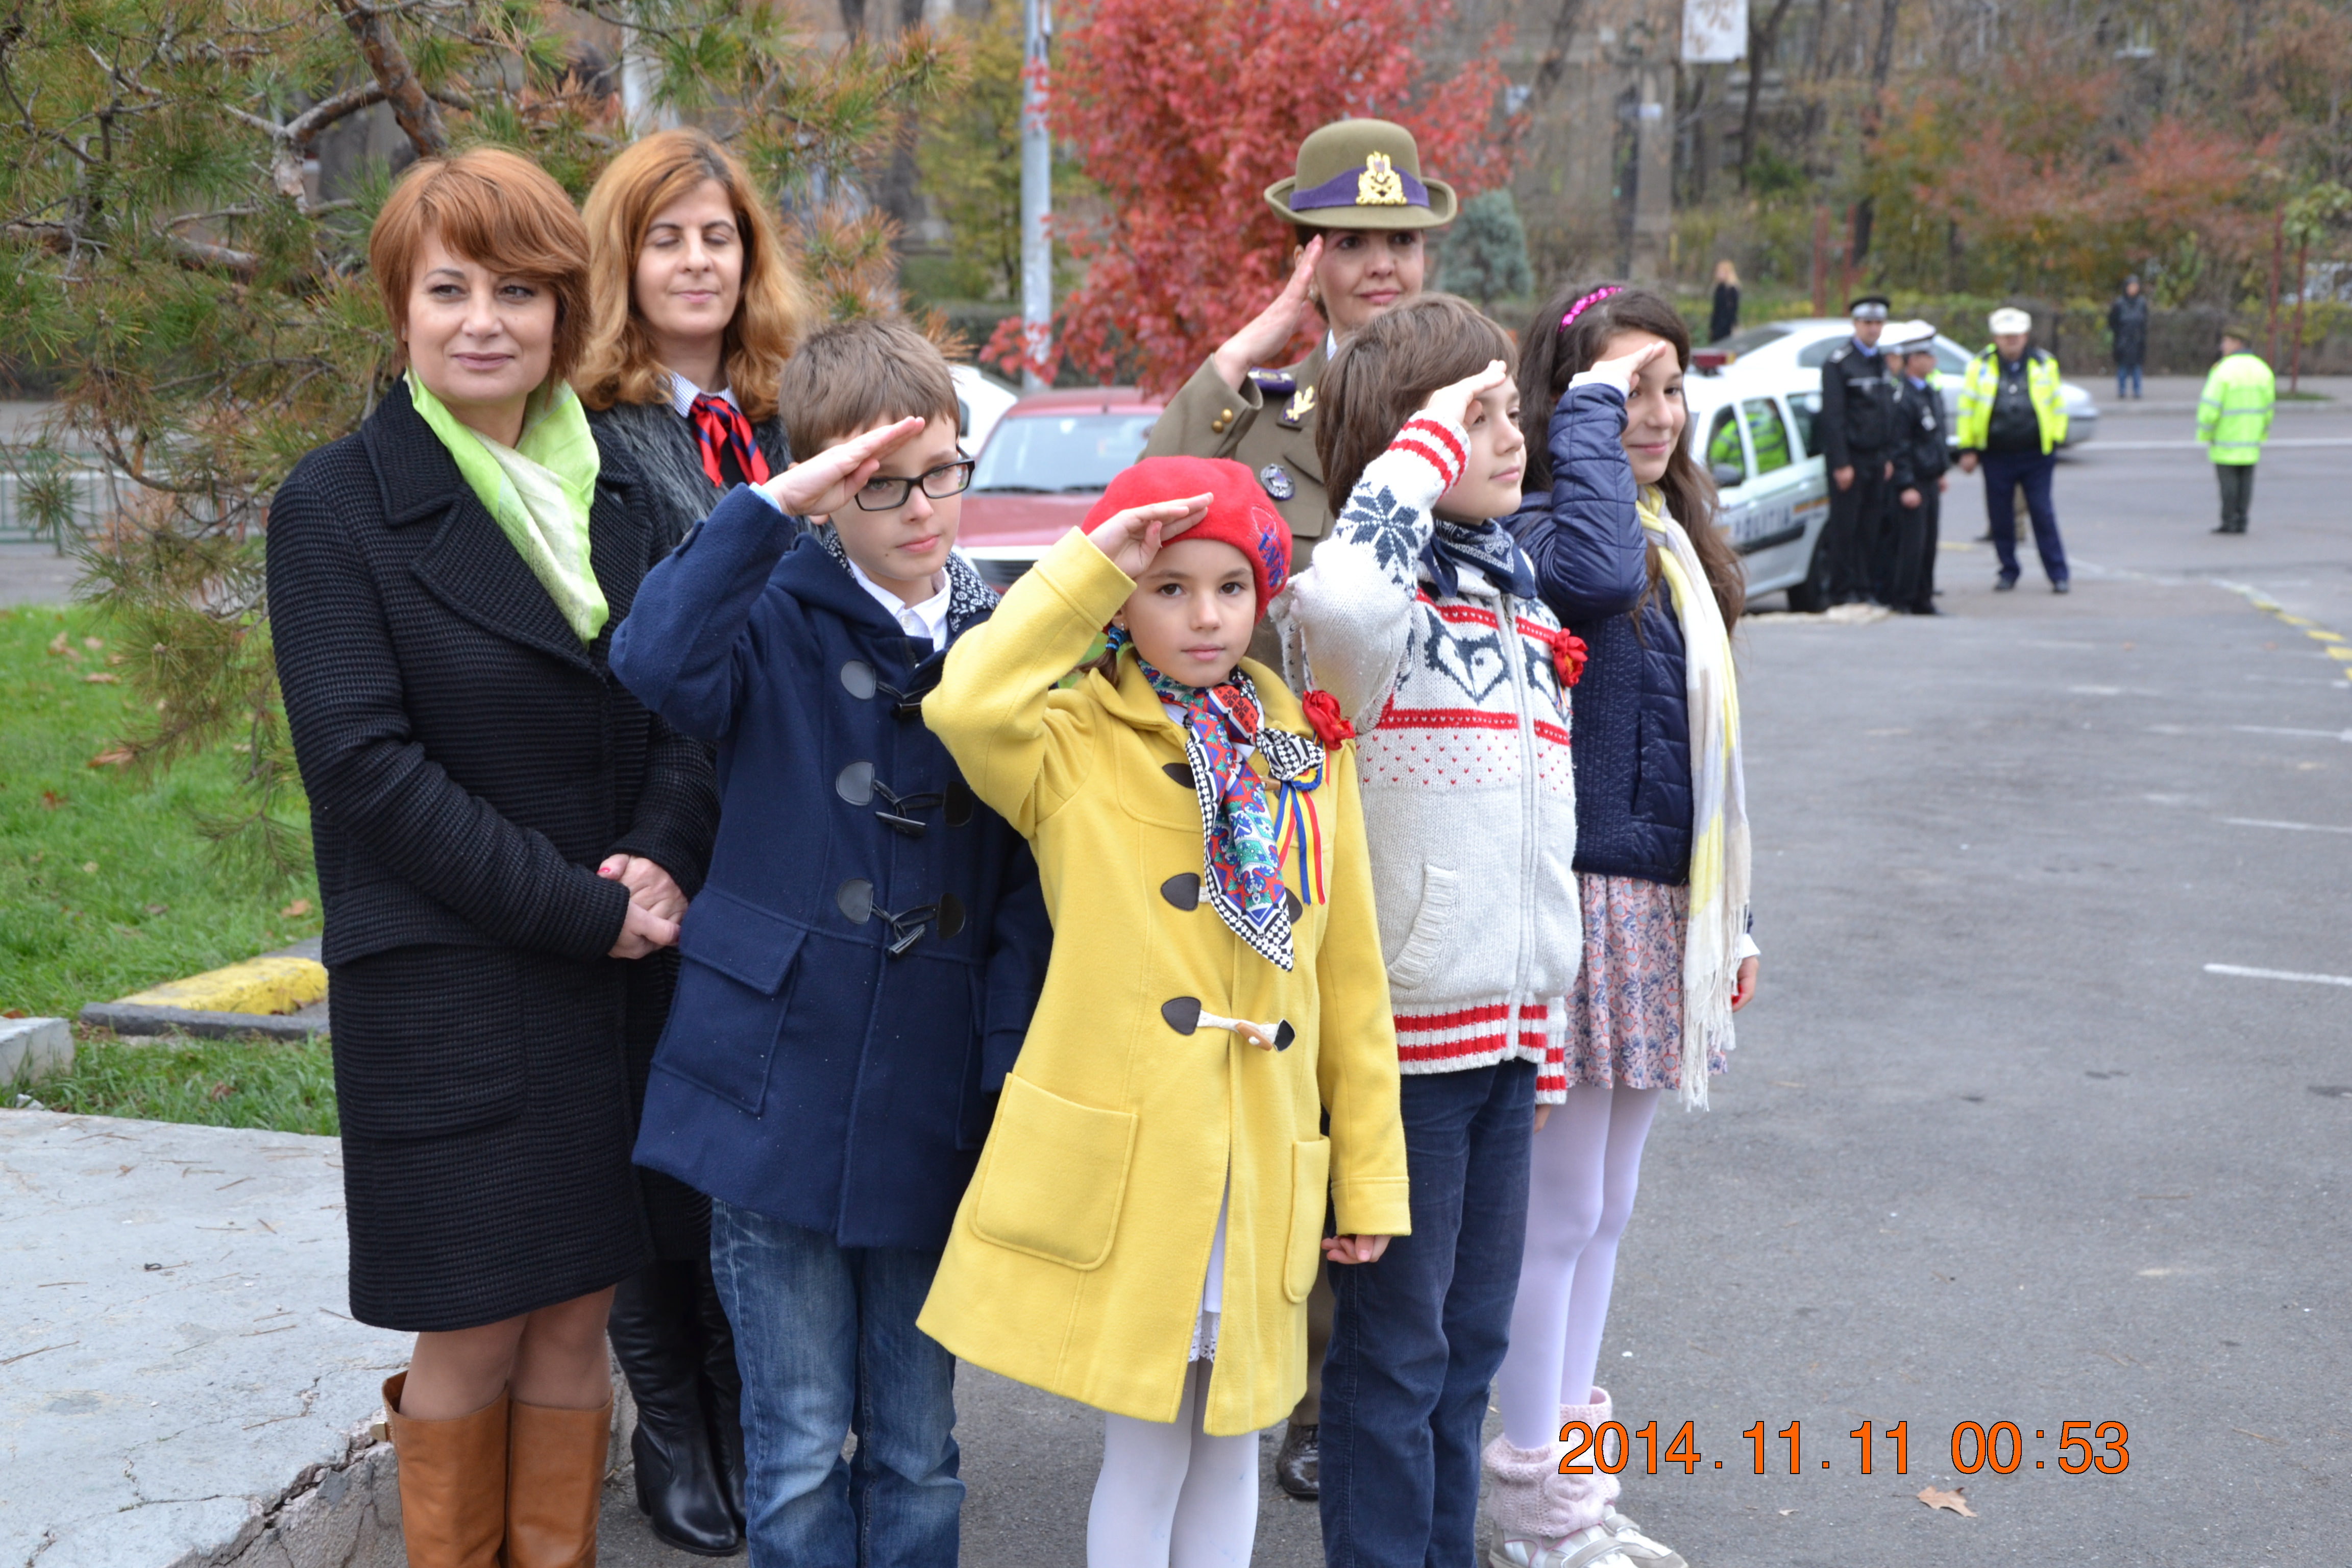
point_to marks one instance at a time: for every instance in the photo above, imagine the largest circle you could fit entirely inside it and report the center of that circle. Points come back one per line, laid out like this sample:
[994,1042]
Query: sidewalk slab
[179,1384]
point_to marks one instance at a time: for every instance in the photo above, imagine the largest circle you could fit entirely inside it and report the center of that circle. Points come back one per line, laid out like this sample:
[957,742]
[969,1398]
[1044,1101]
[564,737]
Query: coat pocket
[430,1042]
[1053,1176]
[1310,1197]
[1426,940]
[733,991]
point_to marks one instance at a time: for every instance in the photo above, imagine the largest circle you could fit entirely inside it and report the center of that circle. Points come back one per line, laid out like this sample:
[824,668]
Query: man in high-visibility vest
[2012,419]
[2233,420]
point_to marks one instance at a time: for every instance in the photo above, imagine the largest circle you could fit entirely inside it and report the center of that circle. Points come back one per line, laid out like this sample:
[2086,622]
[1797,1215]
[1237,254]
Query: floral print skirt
[1625,1011]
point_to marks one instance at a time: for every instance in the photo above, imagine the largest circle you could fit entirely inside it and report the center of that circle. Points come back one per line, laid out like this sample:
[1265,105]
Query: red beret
[1239,514]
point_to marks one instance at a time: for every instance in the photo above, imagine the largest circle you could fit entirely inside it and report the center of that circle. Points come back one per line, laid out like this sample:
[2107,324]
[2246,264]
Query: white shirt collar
[927,619]
[682,393]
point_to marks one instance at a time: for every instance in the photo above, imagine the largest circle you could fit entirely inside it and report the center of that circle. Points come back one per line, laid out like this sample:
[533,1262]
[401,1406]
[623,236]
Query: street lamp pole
[1036,193]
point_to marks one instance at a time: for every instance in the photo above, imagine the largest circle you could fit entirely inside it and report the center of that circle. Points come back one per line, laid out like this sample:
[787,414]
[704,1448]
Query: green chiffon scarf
[540,490]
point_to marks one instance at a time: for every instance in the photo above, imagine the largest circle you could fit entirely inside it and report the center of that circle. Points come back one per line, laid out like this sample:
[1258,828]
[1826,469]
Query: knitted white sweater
[1469,800]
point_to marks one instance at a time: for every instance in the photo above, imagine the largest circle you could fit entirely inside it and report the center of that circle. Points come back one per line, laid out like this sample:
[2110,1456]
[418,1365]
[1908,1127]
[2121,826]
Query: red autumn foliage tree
[1183,112]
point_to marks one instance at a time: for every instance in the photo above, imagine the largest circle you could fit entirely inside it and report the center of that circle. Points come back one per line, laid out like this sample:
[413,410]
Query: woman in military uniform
[1359,203]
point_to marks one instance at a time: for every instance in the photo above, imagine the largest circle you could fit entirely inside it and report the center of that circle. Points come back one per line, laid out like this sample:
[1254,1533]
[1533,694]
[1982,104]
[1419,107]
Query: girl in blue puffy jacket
[1660,863]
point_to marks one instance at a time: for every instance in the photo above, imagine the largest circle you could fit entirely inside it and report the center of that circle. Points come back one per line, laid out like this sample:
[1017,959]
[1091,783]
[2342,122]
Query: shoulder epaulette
[1275,383]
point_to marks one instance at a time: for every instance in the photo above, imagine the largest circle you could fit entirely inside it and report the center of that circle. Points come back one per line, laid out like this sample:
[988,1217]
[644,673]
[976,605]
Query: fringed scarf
[1719,853]
[1243,839]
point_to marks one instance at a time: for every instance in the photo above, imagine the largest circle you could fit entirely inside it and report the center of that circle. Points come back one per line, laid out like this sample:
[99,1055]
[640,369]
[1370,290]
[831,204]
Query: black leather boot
[722,1391]
[656,1337]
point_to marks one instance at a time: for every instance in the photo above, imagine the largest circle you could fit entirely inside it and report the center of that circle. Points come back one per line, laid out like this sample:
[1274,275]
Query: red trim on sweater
[1461,1018]
[1431,427]
[1427,454]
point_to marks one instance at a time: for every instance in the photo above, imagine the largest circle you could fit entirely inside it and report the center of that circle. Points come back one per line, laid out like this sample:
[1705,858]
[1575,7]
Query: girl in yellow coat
[1149,1213]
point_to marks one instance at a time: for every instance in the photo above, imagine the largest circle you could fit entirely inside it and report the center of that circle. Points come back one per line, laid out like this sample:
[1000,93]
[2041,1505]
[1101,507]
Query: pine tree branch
[304,127]
[202,255]
[419,116]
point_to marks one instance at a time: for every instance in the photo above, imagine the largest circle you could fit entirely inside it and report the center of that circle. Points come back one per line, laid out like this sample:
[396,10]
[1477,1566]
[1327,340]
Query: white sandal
[1593,1547]
[1644,1551]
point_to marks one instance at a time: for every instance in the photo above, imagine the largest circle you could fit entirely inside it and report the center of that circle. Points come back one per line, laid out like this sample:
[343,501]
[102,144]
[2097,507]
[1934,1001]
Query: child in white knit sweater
[1421,619]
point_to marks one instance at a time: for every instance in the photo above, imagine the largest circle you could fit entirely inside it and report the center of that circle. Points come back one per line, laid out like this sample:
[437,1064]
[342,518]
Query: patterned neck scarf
[1242,845]
[1488,546]
[722,428]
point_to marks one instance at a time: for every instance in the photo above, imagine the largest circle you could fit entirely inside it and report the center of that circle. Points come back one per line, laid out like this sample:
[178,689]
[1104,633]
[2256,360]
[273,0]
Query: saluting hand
[822,484]
[1292,312]
[1622,372]
[1453,402]
[1132,538]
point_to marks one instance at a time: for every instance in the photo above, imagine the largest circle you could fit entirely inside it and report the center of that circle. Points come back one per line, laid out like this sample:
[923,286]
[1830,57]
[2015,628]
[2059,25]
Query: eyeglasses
[883,493]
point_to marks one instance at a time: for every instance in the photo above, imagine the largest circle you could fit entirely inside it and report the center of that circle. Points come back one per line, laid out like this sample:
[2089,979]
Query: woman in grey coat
[693,312]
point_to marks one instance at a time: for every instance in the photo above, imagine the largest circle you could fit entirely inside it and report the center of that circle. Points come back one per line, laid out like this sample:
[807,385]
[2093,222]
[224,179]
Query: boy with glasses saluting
[860,969]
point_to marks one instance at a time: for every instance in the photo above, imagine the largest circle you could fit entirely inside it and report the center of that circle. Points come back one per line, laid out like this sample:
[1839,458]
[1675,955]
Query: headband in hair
[1592,299]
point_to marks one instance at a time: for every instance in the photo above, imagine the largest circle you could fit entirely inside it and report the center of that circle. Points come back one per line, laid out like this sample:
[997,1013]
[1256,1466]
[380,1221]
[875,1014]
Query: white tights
[1169,1495]
[1579,1193]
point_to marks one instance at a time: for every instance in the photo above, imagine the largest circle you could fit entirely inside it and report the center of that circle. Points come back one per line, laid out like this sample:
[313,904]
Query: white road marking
[2278,974]
[2274,730]
[2290,826]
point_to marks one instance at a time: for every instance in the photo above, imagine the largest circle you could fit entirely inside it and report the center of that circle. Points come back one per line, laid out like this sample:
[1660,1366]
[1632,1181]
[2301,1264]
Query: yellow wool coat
[1078,1255]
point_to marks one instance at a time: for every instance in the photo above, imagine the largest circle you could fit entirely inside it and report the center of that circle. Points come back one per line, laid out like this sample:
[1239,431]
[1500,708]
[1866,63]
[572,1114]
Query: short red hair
[497,208]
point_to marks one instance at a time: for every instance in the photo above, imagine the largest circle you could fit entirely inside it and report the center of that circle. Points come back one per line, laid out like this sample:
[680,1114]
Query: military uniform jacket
[1920,452]
[1857,406]
[1269,425]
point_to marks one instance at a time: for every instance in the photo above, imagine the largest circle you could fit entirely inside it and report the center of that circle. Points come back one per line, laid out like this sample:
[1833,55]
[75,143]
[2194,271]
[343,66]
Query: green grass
[214,1083]
[106,886]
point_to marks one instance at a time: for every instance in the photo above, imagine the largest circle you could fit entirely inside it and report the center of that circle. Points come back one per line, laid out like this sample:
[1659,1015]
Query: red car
[1043,465]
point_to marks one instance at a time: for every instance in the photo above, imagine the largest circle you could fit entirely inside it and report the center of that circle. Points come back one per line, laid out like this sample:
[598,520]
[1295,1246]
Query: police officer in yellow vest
[2012,418]
[2233,420]
[1358,204]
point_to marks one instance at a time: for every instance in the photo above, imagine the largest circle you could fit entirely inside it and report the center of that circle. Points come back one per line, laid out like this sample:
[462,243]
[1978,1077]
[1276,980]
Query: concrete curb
[155,1011]
[34,1048]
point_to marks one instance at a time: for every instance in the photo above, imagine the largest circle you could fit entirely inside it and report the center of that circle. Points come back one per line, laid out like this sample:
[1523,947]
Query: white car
[1790,355]
[980,402]
[1746,433]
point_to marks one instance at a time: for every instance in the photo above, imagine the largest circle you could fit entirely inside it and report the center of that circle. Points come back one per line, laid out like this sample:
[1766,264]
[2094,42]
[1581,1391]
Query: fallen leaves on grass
[113,757]
[93,644]
[1954,1500]
[14,1013]
[297,908]
[221,1091]
[102,677]
[89,867]
[158,909]
[51,800]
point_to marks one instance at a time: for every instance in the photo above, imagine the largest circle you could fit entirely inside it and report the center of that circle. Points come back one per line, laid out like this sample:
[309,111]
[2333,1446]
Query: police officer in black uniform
[1922,453]
[1857,433]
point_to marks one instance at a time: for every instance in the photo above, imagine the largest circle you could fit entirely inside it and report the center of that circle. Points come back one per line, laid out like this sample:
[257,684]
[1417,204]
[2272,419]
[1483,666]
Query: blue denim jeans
[2127,381]
[2003,473]
[827,1340]
[1416,1338]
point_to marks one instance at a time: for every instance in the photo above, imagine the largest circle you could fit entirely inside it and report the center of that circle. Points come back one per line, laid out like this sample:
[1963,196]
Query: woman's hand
[823,485]
[1620,373]
[650,888]
[1354,1248]
[1453,402]
[1132,538]
[1743,986]
[643,931]
[1291,313]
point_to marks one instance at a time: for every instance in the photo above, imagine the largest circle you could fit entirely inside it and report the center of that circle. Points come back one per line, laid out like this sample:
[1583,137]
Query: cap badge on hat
[1379,183]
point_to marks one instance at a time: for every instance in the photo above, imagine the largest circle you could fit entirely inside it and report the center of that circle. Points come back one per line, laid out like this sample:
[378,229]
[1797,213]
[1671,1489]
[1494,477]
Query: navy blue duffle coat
[1631,754]
[809,1072]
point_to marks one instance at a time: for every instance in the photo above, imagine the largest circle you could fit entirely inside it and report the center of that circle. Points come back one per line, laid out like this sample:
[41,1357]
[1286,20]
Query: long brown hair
[1550,353]
[772,312]
[1381,376]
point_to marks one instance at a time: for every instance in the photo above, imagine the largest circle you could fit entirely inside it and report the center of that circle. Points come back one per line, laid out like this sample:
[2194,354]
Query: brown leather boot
[555,1484]
[453,1483]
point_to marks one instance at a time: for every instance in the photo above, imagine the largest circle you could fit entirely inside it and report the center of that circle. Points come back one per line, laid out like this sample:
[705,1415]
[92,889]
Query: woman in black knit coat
[505,841]
[693,312]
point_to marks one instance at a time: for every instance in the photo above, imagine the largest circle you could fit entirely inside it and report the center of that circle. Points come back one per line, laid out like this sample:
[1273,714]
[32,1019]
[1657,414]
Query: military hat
[1869,307]
[1362,173]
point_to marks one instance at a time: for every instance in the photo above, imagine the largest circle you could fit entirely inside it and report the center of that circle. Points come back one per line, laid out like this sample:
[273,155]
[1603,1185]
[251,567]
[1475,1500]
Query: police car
[1748,433]
[1791,353]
